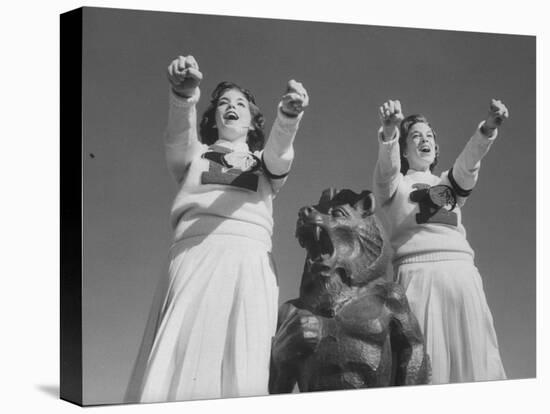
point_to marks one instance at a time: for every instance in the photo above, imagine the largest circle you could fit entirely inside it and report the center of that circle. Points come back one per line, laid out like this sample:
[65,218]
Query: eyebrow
[239,99]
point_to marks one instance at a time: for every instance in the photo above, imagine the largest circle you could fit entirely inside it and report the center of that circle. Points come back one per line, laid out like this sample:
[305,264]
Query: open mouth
[231,116]
[316,240]
[425,148]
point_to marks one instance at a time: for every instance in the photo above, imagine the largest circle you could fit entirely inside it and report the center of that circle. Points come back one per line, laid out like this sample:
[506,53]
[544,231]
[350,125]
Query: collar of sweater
[233,146]
[416,173]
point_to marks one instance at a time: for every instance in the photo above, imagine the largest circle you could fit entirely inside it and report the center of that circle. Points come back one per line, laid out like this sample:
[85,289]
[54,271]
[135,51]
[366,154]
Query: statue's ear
[327,195]
[366,203]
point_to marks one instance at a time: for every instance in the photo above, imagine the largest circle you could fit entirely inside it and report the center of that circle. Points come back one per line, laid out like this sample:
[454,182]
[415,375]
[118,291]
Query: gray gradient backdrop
[348,70]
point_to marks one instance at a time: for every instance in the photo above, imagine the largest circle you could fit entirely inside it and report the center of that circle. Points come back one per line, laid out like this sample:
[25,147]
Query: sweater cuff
[391,141]
[181,102]
[481,135]
[288,121]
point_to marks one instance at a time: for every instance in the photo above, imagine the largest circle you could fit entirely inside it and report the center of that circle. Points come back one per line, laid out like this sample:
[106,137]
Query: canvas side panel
[71,206]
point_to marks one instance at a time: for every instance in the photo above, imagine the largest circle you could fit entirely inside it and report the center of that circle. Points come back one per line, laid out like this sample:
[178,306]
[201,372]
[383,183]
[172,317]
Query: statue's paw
[310,327]
[297,337]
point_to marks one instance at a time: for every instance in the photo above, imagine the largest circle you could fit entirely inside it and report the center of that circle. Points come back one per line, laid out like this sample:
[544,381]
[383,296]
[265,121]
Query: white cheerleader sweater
[421,212]
[224,189]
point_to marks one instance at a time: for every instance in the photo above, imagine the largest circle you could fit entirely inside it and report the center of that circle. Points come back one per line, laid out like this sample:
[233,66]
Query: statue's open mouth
[316,240]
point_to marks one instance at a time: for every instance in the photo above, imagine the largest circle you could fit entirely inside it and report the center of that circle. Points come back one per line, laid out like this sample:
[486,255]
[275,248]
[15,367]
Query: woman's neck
[234,141]
[419,171]
[233,144]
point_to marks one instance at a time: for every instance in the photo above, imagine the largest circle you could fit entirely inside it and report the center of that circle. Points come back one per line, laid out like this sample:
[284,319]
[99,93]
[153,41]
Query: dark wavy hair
[404,128]
[208,130]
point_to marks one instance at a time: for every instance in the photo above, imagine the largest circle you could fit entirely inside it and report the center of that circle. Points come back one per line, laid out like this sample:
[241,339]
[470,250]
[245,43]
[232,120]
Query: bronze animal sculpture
[350,327]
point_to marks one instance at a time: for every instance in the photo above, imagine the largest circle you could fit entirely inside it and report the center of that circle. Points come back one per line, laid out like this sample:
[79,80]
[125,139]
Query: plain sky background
[348,71]
[30,205]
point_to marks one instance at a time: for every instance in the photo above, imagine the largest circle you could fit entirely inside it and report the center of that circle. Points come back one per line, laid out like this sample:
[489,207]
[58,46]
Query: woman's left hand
[295,99]
[497,114]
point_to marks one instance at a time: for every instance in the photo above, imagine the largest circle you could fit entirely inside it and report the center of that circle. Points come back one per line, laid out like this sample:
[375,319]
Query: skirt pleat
[214,326]
[448,300]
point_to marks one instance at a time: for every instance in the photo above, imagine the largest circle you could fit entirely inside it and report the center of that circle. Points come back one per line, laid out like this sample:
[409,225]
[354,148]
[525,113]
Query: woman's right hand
[391,116]
[498,113]
[184,75]
[295,99]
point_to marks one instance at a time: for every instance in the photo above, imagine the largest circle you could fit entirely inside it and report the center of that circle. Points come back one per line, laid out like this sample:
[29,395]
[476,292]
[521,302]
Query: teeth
[315,240]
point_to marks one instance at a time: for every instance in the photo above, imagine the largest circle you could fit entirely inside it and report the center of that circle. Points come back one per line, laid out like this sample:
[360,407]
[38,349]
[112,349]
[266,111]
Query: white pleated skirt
[210,329]
[448,300]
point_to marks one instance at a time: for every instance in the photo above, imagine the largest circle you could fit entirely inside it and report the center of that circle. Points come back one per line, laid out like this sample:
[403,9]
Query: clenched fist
[391,116]
[184,75]
[295,99]
[496,116]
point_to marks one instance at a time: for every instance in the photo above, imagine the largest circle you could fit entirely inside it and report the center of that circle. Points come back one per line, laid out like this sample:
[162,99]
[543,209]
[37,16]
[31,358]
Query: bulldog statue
[350,327]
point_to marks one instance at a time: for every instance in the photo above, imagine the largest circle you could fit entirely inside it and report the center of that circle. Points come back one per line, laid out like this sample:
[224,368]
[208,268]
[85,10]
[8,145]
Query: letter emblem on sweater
[436,204]
[237,169]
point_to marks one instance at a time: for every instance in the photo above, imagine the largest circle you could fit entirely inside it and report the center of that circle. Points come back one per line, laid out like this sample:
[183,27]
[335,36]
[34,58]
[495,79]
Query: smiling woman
[233,117]
[433,260]
[417,144]
[226,117]
[210,327]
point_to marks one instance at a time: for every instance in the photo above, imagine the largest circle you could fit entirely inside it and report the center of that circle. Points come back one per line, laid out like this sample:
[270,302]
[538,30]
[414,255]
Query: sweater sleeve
[387,173]
[181,139]
[465,171]
[278,152]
